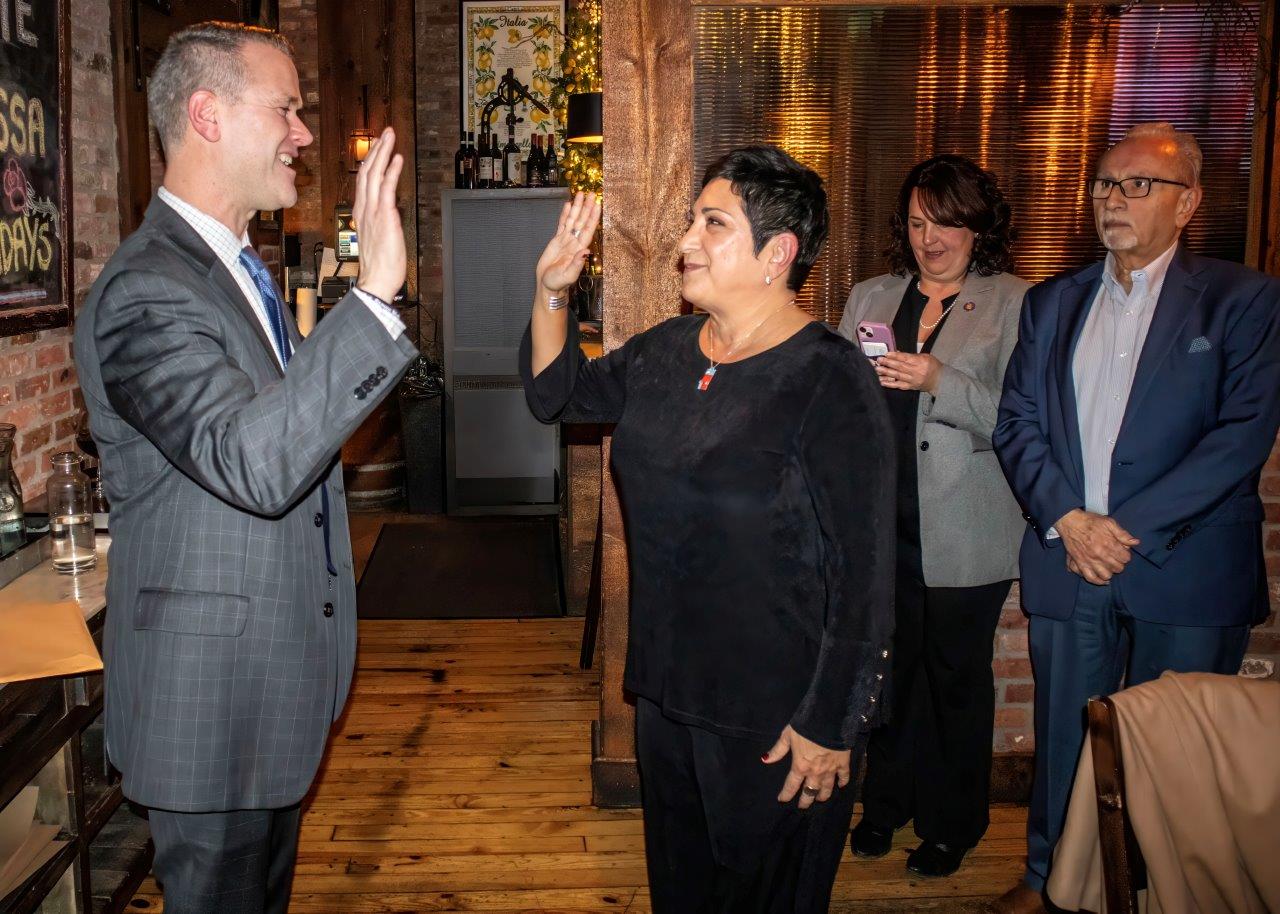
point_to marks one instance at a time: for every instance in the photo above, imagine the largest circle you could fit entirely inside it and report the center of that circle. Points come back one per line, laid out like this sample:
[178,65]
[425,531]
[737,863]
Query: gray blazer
[970,524]
[228,647]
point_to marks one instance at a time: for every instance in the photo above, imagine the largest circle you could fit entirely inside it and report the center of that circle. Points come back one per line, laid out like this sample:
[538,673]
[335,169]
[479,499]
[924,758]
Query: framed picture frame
[528,37]
[35,153]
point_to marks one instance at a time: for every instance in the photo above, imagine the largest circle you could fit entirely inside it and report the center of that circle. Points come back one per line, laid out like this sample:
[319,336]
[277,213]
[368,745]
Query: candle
[306,309]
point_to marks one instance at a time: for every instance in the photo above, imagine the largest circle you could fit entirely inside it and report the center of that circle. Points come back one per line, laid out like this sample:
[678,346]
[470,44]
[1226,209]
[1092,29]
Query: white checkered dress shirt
[225,244]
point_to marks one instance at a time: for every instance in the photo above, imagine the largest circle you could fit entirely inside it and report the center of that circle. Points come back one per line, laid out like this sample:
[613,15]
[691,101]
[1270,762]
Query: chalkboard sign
[35,275]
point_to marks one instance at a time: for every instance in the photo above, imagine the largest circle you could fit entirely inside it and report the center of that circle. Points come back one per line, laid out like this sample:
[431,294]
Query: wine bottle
[552,164]
[533,165]
[473,161]
[511,163]
[484,167]
[460,162]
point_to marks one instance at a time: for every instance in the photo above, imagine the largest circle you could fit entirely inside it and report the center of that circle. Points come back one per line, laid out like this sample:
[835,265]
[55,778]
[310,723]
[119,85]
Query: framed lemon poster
[525,36]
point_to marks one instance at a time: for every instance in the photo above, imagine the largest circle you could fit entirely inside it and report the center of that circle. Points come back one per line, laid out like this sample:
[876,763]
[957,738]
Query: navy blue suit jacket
[1200,423]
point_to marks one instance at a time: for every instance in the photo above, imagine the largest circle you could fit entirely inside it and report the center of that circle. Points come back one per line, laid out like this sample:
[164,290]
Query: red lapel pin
[969,306]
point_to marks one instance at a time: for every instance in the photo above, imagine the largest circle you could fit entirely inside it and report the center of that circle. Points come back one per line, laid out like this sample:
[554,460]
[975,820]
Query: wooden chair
[1123,869]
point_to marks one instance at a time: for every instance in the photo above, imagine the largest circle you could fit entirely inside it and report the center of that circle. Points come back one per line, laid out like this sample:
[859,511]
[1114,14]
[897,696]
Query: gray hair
[1188,149]
[207,55]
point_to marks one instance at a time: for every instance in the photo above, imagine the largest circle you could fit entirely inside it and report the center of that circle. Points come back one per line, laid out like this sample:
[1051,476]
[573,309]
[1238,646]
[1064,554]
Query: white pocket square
[1200,344]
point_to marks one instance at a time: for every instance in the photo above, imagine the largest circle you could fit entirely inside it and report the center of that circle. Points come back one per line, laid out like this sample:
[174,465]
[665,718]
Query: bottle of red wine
[511,163]
[533,167]
[473,161]
[461,161]
[495,157]
[552,164]
[484,164]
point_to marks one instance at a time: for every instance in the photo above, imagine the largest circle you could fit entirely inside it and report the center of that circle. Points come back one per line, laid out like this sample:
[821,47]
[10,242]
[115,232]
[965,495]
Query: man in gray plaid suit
[231,620]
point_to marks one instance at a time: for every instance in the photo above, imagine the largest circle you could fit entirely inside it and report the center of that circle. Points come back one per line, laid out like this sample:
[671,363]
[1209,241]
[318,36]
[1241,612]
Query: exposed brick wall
[38,390]
[299,23]
[438,100]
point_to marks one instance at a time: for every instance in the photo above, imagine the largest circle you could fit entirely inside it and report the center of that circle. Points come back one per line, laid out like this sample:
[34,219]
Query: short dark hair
[778,195]
[955,191]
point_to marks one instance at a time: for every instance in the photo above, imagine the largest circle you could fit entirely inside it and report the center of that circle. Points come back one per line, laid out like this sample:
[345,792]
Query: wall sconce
[361,139]
[358,147]
[586,118]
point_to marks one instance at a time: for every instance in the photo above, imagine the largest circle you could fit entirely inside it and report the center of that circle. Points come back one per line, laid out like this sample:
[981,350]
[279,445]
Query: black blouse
[759,517]
[904,411]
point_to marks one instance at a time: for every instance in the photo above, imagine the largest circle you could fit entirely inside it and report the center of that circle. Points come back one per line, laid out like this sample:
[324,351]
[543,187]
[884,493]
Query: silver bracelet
[556,302]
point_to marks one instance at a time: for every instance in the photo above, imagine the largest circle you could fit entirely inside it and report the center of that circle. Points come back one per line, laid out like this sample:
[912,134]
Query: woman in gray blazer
[954,316]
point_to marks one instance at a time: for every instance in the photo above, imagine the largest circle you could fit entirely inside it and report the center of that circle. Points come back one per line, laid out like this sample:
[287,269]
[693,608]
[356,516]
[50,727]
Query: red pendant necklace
[705,381]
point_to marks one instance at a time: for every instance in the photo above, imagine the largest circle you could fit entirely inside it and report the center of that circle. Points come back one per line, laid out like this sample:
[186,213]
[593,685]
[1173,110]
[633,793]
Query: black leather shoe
[870,841]
[933,860]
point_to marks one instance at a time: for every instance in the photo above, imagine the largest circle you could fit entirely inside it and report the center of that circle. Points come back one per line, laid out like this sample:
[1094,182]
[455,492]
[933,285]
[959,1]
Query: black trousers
[932,761]
[717,839]
[238,862]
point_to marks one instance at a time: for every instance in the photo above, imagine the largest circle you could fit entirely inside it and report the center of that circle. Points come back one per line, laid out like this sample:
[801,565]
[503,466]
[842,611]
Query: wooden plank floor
[459,780]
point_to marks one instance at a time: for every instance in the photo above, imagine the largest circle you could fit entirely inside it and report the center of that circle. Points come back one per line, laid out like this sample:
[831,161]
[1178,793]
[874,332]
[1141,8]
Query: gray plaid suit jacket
[228,647]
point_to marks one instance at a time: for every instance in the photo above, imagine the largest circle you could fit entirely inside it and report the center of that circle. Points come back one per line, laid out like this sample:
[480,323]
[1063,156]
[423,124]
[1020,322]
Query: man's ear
[202,114]
[1188,203]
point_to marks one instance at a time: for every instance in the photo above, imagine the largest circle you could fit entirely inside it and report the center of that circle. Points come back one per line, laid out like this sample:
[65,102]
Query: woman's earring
[768,280]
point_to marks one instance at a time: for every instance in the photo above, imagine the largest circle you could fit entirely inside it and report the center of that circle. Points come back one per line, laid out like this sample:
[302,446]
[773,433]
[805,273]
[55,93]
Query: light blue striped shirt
[227,247]
[1104,364]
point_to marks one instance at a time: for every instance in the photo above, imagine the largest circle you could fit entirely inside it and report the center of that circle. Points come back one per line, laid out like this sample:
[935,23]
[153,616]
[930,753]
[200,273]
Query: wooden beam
[648,100]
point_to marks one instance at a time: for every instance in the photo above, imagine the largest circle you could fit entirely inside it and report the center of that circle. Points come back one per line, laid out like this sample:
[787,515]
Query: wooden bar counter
[51,738]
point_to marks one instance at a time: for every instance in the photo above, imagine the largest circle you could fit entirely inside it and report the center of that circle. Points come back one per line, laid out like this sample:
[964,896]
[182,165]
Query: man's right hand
[1097,547]
[383,262]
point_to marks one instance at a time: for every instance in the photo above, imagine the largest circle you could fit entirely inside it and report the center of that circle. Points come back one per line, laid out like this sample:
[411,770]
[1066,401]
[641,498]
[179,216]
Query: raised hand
[383,261]
[565,254]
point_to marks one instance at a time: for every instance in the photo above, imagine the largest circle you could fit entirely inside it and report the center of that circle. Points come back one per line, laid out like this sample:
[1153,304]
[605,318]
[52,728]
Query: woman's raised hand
[562,261]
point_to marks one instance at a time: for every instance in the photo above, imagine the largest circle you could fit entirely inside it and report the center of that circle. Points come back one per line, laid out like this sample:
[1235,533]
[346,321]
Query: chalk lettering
[21,12]
[18,123]
[21,16]
[24,245]
[22,129]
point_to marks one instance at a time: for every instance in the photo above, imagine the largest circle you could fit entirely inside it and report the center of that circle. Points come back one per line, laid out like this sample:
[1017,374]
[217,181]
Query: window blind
[1035,94]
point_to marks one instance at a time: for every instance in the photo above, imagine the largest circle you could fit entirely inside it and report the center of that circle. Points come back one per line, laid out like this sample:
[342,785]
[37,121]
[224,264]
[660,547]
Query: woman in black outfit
[755,471]
[954,312]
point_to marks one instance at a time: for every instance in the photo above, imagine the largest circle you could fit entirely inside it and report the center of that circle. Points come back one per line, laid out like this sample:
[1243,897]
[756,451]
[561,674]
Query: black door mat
[464,568]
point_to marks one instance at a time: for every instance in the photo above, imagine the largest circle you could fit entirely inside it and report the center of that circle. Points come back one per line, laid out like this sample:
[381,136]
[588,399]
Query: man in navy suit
[1139,406]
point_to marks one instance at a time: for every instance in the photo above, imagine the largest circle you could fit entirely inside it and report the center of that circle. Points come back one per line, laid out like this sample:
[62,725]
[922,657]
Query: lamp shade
[586,118]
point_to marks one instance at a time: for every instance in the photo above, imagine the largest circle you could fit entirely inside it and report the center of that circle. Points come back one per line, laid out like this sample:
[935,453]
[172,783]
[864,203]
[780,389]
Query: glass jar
[70,515]
[13,529]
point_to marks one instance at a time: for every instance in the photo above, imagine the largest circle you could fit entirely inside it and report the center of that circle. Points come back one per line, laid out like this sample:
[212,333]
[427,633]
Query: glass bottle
[552,164]
[70,515]
[13,530]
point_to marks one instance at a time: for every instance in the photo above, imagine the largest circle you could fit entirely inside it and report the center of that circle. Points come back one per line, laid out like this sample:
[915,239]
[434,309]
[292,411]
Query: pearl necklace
[956,293]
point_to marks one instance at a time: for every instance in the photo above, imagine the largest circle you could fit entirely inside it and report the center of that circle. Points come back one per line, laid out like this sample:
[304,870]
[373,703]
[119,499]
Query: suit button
[319,519]
[381,372]
[360,393]
[1169,546]
[328,610]
[924,445]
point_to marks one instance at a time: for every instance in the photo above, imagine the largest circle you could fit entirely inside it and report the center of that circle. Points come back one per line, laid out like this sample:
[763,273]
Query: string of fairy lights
[582,166]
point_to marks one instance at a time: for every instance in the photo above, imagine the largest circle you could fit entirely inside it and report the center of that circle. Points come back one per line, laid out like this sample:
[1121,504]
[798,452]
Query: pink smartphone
[876,339]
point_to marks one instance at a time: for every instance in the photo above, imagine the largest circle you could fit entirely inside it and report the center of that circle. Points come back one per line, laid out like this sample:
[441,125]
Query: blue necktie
[261,277]
[266,286]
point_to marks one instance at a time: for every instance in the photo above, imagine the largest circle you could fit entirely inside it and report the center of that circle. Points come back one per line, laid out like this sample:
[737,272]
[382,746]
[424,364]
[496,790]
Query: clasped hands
[815,770]
[1098,548]
[908,371]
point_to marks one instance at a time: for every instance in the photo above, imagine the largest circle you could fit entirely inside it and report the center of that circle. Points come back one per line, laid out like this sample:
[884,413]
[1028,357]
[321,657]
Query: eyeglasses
[1100,188]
